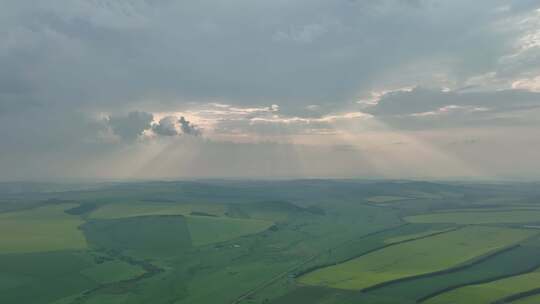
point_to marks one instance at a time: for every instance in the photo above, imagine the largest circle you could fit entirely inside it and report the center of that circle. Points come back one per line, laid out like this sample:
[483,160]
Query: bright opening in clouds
[304,88]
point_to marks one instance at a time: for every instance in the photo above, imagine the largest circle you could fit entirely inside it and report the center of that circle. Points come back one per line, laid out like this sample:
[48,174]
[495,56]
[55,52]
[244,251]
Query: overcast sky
[158,89]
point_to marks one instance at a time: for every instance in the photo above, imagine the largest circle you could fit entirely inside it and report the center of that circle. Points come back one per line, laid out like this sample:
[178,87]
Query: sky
[162,89]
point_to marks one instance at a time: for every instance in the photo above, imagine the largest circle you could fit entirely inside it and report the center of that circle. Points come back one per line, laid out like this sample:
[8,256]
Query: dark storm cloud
[132,125]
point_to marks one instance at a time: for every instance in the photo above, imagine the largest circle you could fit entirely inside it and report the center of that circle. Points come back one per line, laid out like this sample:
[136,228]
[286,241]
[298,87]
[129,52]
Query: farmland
[280,242]
[489,292]
[486,217]
[528,300]
[415,258]
[207,230]
[46,228]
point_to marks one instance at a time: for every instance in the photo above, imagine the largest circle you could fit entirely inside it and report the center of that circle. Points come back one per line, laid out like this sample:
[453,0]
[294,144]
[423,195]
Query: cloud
[423,101]
[188,128]
[422,108]
[166,126]
[165,50]
[256,71]
[172,126]
[132,125]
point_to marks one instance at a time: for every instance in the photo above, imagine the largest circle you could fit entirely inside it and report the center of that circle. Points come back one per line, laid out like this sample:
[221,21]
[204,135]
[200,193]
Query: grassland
[112,271]
[488,217]
[46,228]
[206,230]
[415,258]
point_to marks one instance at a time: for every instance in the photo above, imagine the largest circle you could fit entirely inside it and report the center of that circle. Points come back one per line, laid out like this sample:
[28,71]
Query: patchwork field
[262,242]
[415,258]
[46,228]
[488,217]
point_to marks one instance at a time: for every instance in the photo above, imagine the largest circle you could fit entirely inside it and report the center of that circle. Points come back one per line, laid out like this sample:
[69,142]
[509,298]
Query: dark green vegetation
[306,241]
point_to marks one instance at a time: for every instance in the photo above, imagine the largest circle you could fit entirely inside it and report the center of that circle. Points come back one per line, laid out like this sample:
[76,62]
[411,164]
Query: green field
[513,261]
[528,300]
[206,230]
[488,217]
[142,236]
[46,228]
[131,209]
[415,258]
[490,292]
[43,277]
[112,271]
[422,234]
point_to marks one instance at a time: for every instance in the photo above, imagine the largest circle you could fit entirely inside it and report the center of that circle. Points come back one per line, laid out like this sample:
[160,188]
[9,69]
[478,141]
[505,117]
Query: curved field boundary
[379,248]
[496,278]
[150,270]
[445,271]
[518,296]
[285,273]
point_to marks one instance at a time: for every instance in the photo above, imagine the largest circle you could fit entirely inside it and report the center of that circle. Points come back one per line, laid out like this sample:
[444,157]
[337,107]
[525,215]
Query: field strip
[488,217]
[428,254]
[484,281]
[518,296]
[445,271]
[492,289]
[380,248]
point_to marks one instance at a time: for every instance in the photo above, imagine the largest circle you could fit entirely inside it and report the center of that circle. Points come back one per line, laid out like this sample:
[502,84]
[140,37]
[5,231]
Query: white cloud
[531,84]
